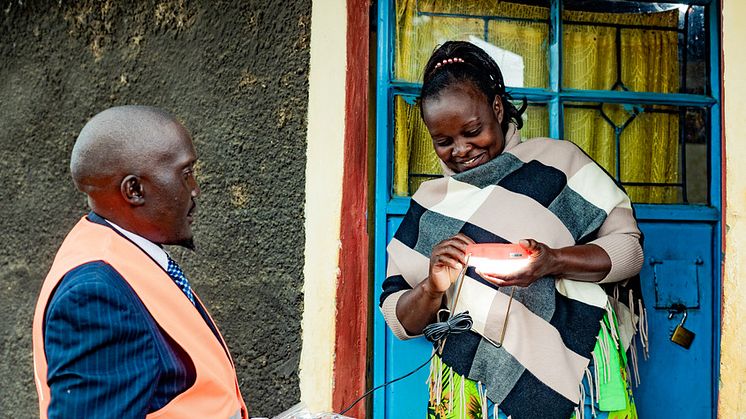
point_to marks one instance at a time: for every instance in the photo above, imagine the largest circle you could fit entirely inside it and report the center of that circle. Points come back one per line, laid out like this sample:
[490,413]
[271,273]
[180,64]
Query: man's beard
[188,243]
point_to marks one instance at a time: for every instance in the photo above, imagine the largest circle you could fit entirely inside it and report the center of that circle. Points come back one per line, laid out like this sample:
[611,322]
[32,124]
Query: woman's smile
[472,162]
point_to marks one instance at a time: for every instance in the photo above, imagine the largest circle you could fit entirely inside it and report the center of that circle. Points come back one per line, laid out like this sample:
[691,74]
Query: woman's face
[465,129]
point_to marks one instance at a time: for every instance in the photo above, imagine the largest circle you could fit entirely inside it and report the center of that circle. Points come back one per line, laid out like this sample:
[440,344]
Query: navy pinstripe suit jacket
[106,355]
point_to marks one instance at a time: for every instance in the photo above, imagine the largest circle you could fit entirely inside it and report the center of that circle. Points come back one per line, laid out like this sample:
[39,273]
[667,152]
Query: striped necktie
[175,272]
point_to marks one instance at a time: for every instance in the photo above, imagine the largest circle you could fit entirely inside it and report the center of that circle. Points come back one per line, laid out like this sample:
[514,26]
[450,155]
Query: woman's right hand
[446,261]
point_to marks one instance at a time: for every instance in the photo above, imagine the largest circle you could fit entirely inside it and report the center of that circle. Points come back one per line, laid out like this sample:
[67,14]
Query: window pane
[636,46]
[659,153]
[696,57]
[516,33]
[415,160]
[535,120]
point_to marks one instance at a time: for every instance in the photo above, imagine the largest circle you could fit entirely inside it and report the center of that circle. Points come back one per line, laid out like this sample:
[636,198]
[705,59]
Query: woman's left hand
[542,262]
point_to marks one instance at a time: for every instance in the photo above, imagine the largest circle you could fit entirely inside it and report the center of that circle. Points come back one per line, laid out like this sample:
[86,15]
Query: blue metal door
[679,269]
[682,247]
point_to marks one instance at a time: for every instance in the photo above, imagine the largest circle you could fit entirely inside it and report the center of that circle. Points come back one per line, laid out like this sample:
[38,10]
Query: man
[118,331]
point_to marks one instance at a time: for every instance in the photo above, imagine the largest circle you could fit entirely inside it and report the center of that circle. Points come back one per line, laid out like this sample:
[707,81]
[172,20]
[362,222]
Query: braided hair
[459,61]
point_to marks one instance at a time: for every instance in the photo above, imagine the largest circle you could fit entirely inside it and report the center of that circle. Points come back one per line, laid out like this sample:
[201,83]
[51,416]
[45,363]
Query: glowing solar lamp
[497,259]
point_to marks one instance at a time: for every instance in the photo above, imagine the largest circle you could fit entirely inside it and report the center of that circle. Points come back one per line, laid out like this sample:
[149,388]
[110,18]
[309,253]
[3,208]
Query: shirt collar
[153,250]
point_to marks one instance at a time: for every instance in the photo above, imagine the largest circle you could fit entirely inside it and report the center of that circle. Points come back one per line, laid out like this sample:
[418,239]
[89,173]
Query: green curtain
[649,145]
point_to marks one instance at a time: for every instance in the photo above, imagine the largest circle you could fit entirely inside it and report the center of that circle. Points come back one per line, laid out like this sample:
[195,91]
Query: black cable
[435,333]
[385,384]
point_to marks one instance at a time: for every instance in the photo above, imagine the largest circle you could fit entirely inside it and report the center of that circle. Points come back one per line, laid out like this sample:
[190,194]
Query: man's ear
[132,190]
[498,109]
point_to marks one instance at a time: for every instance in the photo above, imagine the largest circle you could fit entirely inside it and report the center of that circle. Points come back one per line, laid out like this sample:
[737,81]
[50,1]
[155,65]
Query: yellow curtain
[649,145]
[649,150]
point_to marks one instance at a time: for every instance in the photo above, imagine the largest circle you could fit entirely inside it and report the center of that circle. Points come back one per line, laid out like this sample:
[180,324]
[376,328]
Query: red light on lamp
[497,258]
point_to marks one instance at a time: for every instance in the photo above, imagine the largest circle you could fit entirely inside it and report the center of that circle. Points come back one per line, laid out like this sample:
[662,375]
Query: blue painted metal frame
[715,188]
[554,106]
[382,191]
[386,205]
[574,95]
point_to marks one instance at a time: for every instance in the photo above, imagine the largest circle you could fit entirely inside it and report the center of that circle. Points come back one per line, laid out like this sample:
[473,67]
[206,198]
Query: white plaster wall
[732,403]
[324,170]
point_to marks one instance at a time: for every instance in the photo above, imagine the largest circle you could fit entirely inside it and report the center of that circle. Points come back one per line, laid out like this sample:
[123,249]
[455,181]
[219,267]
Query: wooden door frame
[350,363]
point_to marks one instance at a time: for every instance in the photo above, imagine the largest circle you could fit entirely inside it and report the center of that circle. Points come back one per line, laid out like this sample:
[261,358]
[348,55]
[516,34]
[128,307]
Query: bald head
[135,163]
[117,142]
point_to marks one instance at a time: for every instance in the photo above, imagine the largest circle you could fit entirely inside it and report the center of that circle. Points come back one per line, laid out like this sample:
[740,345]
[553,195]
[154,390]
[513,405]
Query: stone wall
[235,72]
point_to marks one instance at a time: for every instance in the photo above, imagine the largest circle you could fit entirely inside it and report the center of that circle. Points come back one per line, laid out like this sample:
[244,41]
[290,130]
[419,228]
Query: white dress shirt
[156,252]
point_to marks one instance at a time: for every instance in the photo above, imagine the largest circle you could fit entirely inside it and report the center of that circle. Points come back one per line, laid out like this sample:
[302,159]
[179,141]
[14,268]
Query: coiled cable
[436,333]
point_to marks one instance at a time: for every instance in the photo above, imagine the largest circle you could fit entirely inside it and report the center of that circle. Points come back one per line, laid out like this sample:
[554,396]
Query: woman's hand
[543,261]
[446,261]
[418,307]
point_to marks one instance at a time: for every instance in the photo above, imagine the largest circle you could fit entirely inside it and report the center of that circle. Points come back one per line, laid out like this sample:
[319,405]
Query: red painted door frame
[352,286]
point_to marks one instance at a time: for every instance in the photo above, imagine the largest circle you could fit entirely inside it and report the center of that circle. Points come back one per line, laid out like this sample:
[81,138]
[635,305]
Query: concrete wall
[236,73]
[732,402]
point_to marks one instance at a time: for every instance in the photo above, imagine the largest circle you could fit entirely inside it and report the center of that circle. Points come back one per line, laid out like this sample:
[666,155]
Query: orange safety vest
[215,392]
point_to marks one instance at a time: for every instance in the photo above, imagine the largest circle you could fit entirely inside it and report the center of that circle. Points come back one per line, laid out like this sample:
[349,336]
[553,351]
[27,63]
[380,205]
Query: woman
[550,197]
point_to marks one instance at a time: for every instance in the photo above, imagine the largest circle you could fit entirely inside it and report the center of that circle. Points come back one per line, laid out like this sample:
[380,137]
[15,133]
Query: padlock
[681,335]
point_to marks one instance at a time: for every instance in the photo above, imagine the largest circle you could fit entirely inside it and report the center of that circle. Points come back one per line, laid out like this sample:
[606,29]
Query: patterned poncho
[552,192]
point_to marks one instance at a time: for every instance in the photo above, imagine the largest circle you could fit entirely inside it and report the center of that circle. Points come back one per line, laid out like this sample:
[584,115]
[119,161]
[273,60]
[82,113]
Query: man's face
[170,190]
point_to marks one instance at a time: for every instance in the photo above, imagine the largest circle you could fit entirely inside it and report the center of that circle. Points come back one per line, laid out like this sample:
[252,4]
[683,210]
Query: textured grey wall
[235,73]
